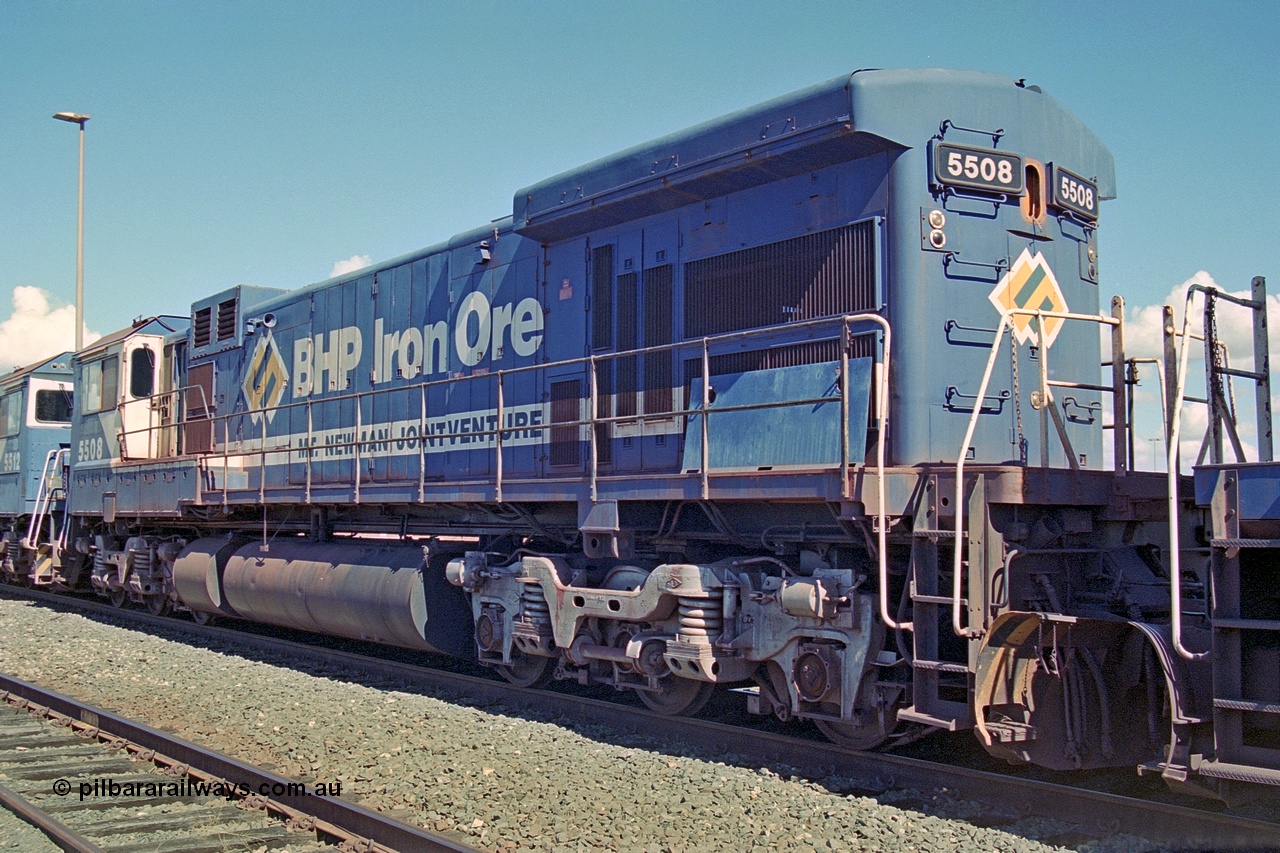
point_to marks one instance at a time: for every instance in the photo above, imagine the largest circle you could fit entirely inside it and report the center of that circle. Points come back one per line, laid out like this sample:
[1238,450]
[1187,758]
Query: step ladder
[1244,613]
[940,666]
[1245,622]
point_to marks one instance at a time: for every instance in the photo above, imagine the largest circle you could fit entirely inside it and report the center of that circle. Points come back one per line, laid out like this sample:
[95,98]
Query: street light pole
[76,118]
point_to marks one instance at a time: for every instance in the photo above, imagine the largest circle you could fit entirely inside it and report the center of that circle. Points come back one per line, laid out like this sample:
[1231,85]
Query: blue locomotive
[804,401]
[35,427]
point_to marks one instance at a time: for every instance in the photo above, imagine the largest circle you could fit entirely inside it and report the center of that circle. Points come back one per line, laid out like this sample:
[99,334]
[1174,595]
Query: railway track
[1093,813]
[94,781]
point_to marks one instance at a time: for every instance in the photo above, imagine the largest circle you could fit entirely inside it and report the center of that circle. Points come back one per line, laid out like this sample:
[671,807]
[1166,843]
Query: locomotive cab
[119,416]
[123,419]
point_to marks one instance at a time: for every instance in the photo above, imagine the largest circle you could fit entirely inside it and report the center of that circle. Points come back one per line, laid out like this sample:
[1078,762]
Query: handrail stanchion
[956,585]
[706,431]
[1171,460]
[226,456]
[422,445]
[497,467]
[359,427]
[882,439]
[1045,402]
[310,448]
[591,427]
[1120,397]
[262,450]
[845,489]
[1262,367]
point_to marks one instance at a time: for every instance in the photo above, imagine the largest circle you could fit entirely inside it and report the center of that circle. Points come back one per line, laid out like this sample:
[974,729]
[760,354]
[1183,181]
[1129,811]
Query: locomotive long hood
[851,116]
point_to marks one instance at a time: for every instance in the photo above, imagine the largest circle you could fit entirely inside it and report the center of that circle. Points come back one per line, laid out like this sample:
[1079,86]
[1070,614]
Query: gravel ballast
[17,834]
[499,782]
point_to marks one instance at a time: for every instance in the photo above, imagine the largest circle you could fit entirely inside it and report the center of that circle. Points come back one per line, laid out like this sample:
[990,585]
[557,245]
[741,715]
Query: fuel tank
[198,571]
[380,592]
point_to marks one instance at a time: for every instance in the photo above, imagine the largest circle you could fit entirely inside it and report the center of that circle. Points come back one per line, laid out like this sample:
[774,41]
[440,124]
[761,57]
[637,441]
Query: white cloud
[36,330]
[1144,338]
[351,264]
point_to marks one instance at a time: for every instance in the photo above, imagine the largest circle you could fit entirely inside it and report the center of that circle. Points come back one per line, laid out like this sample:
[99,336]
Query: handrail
[882,438]
[1256,304]
[767,337]
[43,498]
[1005,319]
[424,387]
[843,323]
[1171,460]
[152,401]
[452,381]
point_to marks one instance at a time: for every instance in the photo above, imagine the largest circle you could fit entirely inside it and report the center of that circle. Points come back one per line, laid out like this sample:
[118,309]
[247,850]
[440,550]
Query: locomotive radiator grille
[816,275]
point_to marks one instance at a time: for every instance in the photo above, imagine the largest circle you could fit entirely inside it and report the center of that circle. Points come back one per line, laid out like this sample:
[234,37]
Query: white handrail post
[882,439]
[957,586]
[1171,455]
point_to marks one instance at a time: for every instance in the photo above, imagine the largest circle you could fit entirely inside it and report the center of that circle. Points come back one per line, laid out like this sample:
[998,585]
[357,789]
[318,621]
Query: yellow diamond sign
[1030,285]
[265,379]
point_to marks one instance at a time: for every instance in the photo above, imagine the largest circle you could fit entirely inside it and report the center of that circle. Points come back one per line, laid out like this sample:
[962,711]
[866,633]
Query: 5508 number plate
[977,168]
[1075,193]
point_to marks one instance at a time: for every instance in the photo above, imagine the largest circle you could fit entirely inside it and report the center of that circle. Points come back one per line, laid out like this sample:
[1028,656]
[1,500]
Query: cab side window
[53,406]
[10,413]
[142,372]
[101,382]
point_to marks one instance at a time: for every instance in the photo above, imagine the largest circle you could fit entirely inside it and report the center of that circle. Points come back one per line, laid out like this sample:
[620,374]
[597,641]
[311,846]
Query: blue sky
[261,143]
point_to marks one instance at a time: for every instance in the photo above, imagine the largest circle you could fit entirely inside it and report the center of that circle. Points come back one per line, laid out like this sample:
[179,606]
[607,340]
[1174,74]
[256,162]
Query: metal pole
[77,118]
[1119,392]
[80,251]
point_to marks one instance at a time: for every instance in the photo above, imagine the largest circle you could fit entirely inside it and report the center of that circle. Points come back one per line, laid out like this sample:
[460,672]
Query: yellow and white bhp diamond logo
[266,378]
[1030,285]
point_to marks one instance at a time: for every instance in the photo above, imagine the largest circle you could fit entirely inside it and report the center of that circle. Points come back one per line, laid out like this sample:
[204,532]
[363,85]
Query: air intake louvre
[566,407]
[227,319]
[602,338]
[628,367]
[817,275]
[602,297]
[657,332]
[202,328]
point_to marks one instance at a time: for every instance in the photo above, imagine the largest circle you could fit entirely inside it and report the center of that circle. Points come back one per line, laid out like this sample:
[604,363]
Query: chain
[1221,361]
[1216,353]
[1017,400]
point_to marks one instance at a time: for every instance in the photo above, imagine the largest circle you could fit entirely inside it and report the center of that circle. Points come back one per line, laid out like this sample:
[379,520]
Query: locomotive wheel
[200,617]
[679,697]
[526,670]
[117,597]
[157,605]
[863,737]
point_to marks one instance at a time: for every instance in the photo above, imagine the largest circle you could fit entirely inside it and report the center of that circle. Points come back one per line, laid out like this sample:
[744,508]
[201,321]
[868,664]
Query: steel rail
[58,833]
[346,818]
[1098,812]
